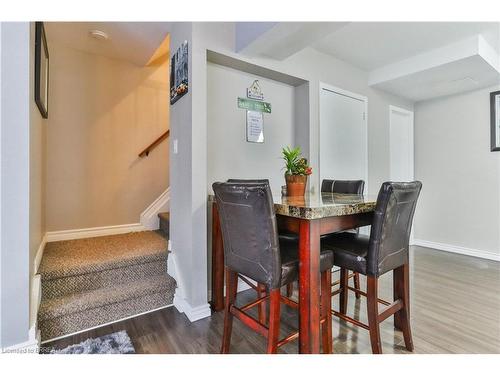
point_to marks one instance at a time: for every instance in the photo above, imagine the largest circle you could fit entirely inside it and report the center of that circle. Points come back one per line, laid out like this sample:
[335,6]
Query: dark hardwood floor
[455,307]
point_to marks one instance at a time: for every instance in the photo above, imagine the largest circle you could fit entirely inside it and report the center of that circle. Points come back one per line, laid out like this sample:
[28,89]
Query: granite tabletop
[320,205]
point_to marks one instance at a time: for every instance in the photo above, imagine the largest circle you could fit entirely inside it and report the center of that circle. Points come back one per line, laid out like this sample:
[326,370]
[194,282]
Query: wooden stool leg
[261,292]
[357,284]
[402,291]
[372,305]
[289,290]
[395,296]
[326,312]
[343,290]
[231,289]
[274,321]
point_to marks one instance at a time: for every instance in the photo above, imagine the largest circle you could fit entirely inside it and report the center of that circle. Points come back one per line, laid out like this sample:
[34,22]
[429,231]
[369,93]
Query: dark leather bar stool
[345,187]
[253,249]
[259,288]
[387,249]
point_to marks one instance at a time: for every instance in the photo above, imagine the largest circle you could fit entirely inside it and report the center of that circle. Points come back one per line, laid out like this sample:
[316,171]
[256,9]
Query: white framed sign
[255,127]
[254,91]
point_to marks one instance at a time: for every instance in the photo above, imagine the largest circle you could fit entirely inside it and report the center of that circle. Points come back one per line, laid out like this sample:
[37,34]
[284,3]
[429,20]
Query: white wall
[459,206]
[229,154]
[14,169]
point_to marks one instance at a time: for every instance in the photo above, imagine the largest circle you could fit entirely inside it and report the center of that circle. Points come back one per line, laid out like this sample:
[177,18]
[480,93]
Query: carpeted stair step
[75,312]
[164,222]
[61,286]
[87,255]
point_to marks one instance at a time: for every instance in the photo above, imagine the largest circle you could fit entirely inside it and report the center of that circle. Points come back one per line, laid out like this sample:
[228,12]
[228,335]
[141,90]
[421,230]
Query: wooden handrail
[160,139]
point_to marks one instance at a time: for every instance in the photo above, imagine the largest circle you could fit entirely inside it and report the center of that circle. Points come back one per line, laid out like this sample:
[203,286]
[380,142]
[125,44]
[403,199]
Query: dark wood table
[310,217]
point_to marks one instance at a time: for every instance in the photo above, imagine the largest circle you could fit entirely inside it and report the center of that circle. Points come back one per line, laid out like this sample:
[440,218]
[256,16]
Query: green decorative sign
[254,105]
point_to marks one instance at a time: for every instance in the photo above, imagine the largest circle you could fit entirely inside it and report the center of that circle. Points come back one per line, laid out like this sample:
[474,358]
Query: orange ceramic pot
[295,185]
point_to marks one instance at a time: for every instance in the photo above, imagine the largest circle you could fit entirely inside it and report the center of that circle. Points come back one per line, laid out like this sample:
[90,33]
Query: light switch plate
[176,150]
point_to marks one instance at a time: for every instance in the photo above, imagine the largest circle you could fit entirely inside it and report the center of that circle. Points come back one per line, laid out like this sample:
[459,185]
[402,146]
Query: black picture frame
[495,120]
[41,70]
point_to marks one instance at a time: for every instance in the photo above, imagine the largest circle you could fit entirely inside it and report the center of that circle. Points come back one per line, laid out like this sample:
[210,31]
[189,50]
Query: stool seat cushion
[349,250]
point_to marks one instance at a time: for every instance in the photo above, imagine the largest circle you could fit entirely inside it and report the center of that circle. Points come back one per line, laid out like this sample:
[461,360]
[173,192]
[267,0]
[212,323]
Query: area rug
[114,343]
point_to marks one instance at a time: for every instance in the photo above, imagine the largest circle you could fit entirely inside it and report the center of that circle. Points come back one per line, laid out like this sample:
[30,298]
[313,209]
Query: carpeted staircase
[94,281]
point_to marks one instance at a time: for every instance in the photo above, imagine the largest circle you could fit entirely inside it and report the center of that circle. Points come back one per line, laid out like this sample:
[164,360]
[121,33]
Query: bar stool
[386,249]
[259,288]
[253,249]
[345,187]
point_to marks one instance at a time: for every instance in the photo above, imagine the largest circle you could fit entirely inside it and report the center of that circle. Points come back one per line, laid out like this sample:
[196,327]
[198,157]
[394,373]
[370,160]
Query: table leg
[217,262]
[309,286]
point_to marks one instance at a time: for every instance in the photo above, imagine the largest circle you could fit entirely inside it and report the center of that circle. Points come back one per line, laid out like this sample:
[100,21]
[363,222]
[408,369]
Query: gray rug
[114,343]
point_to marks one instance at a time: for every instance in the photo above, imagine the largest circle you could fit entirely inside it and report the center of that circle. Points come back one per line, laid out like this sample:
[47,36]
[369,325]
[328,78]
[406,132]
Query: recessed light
[98,34]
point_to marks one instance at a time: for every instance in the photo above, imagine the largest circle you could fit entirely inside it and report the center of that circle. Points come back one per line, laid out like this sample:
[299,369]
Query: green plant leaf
[295,164]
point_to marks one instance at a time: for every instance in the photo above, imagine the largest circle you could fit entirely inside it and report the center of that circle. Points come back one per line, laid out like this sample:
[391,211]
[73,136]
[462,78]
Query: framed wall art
[179,84]
[41,70]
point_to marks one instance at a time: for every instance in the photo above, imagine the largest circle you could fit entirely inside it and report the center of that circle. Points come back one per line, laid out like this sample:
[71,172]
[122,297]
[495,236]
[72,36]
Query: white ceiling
[370,45]
[135,42]
[462,75]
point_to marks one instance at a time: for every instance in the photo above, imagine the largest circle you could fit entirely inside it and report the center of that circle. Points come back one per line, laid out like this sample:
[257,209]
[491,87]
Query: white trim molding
[458,249]
[39,254]
[149,217]
[193,313]
[73,234]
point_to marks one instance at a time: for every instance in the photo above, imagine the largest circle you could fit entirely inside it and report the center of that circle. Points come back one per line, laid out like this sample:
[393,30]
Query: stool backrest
[391,226]
[343,186]
[249,230]
[250,181]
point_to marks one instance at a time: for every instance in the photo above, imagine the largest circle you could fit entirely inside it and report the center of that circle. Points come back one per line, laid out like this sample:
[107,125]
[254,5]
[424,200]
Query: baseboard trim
[193,313]
[39,254]
[149,217]
[106,324]
[457,249]
[74,234]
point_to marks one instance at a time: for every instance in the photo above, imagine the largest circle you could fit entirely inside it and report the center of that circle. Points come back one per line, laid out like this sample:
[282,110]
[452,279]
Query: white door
[343,135]
[401,144]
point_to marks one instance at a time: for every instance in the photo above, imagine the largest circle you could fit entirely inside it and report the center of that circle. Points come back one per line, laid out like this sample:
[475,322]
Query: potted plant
[296,171]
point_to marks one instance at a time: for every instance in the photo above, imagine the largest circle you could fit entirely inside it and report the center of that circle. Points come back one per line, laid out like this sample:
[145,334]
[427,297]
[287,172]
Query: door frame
[394,109]
[353,95]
